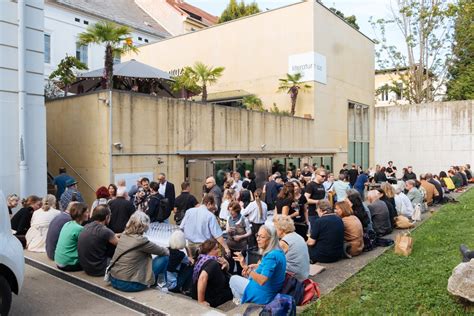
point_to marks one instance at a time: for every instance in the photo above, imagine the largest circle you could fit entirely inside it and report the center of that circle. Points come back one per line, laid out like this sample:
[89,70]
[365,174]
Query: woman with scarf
[210,280]
[238,230]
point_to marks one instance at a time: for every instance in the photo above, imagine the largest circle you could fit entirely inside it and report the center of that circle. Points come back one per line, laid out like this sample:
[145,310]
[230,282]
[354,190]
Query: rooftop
[125,12]
[194,12]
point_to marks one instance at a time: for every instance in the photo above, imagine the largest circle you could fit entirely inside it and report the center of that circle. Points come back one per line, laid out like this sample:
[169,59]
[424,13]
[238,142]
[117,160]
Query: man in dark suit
[166,189]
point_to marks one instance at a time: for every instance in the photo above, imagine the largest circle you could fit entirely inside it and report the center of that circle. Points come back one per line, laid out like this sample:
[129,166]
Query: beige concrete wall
[255,51]
[162,127]
[77,127]
[431,137]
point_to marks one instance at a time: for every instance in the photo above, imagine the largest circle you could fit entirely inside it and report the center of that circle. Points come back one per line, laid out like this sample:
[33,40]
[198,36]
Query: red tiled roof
[182,6]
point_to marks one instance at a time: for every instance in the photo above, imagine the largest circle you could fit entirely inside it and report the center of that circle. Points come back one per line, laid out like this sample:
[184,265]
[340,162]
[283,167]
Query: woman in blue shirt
[261,282]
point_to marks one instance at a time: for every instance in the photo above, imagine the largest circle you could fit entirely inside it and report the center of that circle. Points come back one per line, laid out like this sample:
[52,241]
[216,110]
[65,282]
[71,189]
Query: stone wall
[430,137]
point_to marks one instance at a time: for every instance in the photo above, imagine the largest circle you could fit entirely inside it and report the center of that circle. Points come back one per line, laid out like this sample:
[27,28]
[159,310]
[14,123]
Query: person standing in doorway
[60,182]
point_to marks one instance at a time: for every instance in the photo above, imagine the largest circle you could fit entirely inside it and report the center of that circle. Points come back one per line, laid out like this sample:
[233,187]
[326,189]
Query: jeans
[312,222]
[237,285]
[159,266]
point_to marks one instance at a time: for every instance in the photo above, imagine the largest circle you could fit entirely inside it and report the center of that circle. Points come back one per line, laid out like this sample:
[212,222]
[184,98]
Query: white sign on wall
[311,65]
[131,178]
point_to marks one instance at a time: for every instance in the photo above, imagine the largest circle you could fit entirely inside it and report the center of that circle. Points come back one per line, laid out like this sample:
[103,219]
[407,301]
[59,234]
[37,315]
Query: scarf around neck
[202,259]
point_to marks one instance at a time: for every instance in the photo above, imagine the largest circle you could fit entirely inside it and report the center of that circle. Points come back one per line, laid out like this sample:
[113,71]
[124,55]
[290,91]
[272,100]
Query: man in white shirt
[237,181]
[166,189]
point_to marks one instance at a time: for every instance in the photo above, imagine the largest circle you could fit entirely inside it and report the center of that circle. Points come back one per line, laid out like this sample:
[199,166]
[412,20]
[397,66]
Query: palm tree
[185,84]
[292,85]
[205,75]
[117,40]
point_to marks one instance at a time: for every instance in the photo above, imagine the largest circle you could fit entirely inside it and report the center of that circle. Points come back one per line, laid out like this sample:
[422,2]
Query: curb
[95,289]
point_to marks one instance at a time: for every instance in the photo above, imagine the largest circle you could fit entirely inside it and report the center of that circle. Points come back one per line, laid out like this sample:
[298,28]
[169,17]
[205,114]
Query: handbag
[311,291]
[107,270]
[403,244]
[417,213]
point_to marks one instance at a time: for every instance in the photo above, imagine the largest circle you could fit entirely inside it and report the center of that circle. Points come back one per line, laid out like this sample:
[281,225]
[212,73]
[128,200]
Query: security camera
[119,146]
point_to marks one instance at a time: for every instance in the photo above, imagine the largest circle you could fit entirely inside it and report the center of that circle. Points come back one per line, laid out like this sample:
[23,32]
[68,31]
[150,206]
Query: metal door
[198,171]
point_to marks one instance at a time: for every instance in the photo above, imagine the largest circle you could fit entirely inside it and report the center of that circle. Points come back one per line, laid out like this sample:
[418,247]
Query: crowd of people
[236,242]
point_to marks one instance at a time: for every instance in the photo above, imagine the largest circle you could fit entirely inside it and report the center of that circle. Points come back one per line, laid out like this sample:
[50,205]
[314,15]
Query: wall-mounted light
[263,146]
[159,160]
[118,146]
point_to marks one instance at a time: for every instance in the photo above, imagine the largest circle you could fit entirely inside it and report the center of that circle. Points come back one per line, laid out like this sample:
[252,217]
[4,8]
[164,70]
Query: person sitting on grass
[135,270]
[96,242]
[353,231]
[446,182]
[380,214]
[260,282]
[294,247]
[66,255]
[210,281]
[326,241]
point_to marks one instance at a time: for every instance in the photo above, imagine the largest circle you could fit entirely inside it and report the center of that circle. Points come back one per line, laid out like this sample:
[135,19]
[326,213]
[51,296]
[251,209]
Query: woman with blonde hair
[353,231]
[133,268]
[36,235]
[294,247]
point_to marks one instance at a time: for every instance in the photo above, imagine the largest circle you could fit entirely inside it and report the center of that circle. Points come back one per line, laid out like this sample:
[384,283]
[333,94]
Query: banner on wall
[311,65]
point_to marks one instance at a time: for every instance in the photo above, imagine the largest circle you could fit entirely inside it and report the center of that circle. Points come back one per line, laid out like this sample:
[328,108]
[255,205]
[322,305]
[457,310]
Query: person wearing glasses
[261,282]
[314,193]
[213,189]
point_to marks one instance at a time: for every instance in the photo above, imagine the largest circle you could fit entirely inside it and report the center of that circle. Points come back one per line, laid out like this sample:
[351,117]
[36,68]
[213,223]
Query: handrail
[72,168]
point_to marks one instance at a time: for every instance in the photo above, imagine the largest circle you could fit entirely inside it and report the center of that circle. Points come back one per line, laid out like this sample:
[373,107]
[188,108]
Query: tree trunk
[66,90]
[109,67]
[294,97]
[204,93]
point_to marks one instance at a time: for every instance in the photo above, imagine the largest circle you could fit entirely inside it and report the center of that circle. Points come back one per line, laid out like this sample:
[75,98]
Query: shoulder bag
[107,270]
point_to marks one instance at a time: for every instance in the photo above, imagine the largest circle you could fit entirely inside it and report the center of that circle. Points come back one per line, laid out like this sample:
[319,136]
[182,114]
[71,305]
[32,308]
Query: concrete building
[177,16]
[66,19]
[430,137]
[23,115]
[256,51]
[139,134]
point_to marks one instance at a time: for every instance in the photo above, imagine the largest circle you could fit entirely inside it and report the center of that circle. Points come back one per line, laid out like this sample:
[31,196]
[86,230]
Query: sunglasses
[322,175]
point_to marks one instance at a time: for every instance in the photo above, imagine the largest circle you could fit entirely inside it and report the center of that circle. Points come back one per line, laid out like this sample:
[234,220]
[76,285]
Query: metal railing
[71,167]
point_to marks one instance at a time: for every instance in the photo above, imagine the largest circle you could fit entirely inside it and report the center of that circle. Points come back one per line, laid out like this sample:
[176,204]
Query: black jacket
[121,210]
[170,194]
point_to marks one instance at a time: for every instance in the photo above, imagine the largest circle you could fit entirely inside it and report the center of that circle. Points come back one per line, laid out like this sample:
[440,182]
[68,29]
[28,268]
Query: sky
[362,9]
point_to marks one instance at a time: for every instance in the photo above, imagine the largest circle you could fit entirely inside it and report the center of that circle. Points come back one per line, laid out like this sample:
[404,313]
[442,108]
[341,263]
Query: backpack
[281,305]
[293,288]
[311,290]
[162,211]
[384,242]
[165,210]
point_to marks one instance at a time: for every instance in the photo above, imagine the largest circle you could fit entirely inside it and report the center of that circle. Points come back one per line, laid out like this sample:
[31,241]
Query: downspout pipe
[111,142]
[23,165]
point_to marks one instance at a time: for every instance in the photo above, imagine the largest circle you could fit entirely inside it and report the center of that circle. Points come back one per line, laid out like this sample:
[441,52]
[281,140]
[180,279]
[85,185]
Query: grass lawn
[417,284]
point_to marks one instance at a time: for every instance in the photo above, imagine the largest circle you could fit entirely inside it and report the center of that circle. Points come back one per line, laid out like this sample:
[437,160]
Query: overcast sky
[362,9]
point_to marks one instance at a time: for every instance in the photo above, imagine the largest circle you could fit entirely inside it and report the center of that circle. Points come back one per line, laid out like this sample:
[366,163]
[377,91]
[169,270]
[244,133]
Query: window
[47,48]
[220,168]
[82,53]
[358,134]
[86,22]
[77,19]
[117,59]
[146,40]
[139,38]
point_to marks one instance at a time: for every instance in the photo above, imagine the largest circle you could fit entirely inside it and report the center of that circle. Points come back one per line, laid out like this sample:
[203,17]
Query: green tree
[292,85]
[252,102]
[204,76]
[351,20]
[65,73]
[186,84]
[461,72]
[236,10]
[426,27]
[117,40]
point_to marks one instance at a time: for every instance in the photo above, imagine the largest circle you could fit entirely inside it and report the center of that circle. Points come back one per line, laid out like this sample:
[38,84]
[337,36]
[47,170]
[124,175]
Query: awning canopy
[132,69]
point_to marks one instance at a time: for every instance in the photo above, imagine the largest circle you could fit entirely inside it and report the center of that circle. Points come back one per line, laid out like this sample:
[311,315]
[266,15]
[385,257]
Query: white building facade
[22,110]
[64,20]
